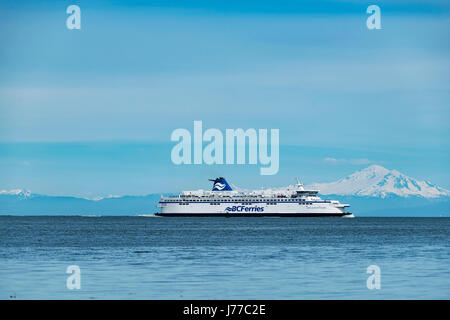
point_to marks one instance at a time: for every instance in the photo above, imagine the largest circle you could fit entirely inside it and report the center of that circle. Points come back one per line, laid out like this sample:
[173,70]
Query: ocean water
[224,258]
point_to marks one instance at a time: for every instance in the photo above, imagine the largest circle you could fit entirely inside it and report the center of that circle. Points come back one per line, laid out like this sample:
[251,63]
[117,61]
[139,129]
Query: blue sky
[90,112]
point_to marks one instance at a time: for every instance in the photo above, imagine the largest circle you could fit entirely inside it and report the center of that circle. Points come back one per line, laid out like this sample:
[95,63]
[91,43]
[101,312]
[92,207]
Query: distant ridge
[27,203]
[377,181]
[373,191]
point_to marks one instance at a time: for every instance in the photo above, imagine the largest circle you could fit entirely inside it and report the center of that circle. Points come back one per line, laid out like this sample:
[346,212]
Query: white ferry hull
[280,209]
[190,214]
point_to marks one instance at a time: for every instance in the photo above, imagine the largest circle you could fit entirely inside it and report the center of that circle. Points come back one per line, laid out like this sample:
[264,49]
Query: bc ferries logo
[236,141]
[244,209]
[219,186]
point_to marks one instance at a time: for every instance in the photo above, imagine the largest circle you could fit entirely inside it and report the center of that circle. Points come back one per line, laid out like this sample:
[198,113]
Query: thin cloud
[359,161]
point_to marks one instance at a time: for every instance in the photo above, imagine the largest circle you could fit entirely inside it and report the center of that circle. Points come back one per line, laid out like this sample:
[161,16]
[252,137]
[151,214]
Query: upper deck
[289,193]
[223,193]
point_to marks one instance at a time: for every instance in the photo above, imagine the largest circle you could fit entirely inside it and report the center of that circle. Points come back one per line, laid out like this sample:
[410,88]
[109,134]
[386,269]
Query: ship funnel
[220,184]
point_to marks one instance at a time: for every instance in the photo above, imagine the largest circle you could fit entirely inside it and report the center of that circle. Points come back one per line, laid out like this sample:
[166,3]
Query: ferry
[224,201]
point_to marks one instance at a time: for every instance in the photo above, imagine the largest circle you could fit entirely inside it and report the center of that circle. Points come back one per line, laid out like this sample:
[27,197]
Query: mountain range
[373,191]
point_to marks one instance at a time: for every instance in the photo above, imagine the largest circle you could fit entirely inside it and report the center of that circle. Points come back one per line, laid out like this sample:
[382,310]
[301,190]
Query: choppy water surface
[224,258]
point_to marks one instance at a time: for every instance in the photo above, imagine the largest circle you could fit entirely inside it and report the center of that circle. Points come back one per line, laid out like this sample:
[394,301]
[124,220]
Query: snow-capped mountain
[16,192]
[377,181]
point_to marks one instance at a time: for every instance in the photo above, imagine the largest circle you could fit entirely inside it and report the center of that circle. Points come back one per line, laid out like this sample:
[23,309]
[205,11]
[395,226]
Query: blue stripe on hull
[230,215]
